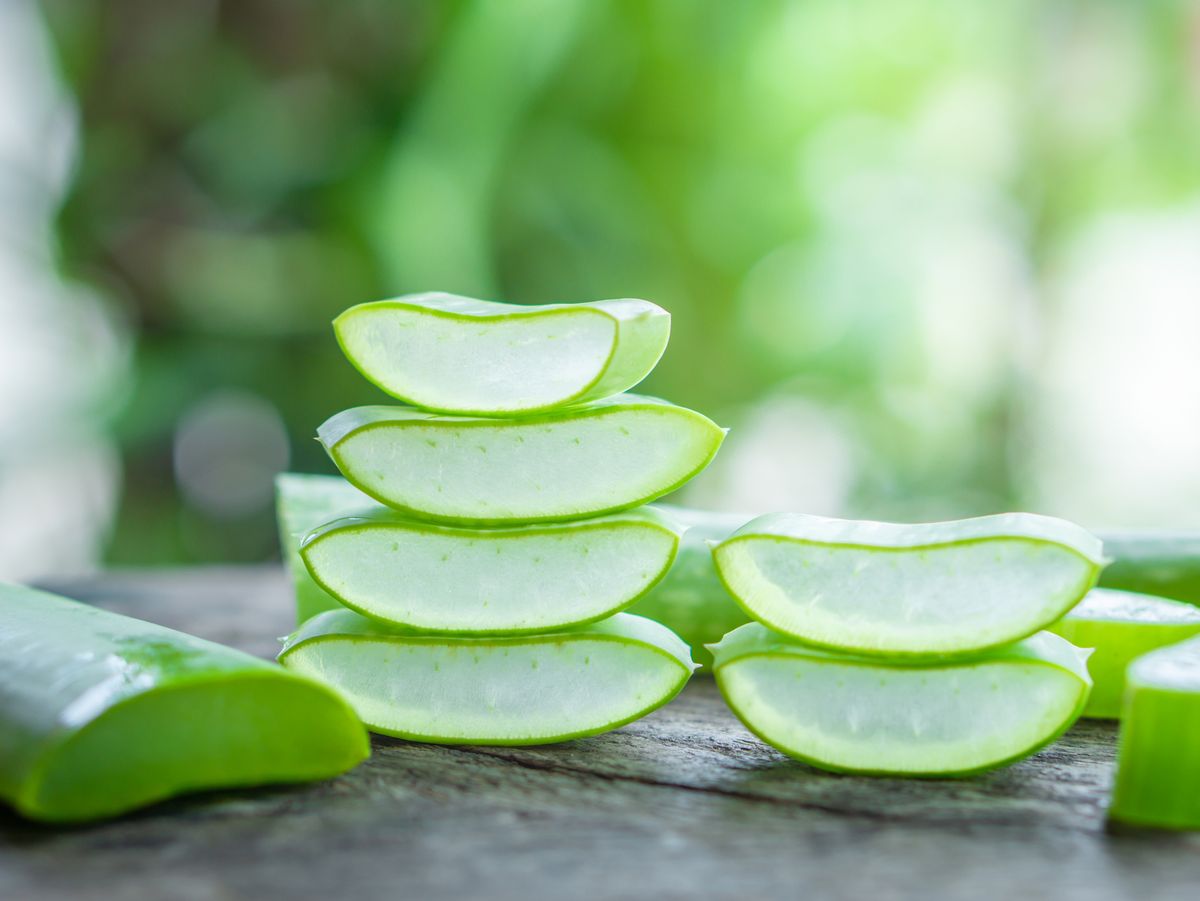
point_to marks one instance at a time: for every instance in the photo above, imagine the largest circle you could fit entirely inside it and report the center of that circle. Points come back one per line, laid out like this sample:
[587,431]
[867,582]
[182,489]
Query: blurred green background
[925,258]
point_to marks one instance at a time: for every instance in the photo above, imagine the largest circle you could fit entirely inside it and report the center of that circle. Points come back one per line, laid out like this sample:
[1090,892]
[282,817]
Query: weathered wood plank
[683,803]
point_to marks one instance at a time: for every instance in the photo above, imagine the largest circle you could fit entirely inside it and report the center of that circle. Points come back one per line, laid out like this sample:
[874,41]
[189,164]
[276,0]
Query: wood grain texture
[684,803]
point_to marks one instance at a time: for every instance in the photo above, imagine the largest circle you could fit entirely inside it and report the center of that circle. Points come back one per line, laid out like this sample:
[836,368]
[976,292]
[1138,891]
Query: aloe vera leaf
[691,601]
[476,357]
[493,691]
[921,590]
[303,502]
[1158,760]
[101,713]
[584,461]
[1166,564]
[868,715]
[1121,626]
[516,580]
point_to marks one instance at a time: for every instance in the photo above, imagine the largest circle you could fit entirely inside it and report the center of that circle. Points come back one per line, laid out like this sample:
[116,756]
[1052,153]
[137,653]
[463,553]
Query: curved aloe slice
[1121,626]
[584,461]
[101,713]
[494,691]
[691,601]
[1158,764]
[1166,564]
[929,589]
[863,715]
[490,581]
[461,355]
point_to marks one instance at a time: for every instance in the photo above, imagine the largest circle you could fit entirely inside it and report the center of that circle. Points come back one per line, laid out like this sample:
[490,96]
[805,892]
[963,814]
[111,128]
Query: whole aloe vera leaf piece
[493,691]
[1158,761]
[1121,626]
[691,601]
[921,590]
[583,461]
[101,713]
[460,355]
[303,502]
[867,715]
[516,580]
[1166,564]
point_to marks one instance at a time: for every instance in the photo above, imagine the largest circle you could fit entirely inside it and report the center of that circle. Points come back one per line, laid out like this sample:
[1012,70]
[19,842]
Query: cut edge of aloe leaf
[765,601]
[197,709]
[637,335]
[104,714]
[756,642]
[702,446]
[622,630]
[1121,626]
[465,598]
[1157,780]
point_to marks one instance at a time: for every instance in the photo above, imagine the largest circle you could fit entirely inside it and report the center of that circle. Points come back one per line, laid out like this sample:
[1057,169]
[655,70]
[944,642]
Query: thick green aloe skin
[691,601]
[1158,762]
[1121,626]
[865,715]
[916,591]
[463,356]
[101,714]
[526,690]
[582,461]
[519,580]
[1166,564]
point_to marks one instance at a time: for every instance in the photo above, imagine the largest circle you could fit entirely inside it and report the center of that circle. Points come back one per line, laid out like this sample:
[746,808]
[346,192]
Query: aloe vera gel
[498,690]
[866,715]
[905,649]
[929,589]
[102,713]
[476,596]
[457,354]
[521,579]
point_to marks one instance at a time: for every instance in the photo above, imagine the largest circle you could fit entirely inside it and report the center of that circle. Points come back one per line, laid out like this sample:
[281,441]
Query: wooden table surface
[684,803]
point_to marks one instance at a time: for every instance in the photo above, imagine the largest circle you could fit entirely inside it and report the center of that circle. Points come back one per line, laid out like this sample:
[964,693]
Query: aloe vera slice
[303,502]
[1121,626]
[102,713]
[922,590]
[865,715]
[585,461]
[519,580]
[1158,762]
[460,355]
[493,691]
[691,601]
[1166,564]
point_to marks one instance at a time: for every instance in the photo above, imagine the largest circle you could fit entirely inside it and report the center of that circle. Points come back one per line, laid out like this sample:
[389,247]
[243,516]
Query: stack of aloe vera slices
[465,582]
[905,649]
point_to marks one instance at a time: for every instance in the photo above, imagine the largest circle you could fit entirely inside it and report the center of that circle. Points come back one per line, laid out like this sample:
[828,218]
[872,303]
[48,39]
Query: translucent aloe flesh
[866,715]
[589,460]
[303,502]
[496,691]
[1166,564]
[928,589]
[691,601]
[514,580]
[460,355]
[1121,626]
[1158,761]
[101,713]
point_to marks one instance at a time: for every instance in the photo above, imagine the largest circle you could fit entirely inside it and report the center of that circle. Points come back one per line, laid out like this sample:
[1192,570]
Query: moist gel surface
[494,691]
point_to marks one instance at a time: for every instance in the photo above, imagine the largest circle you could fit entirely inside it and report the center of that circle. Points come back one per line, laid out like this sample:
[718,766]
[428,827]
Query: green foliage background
[251,168]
